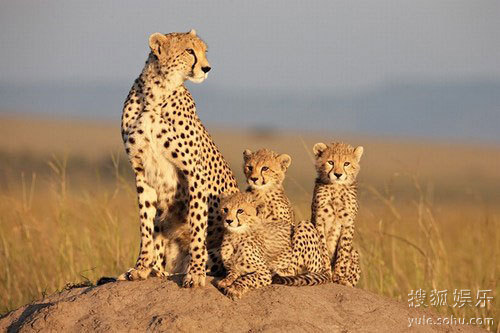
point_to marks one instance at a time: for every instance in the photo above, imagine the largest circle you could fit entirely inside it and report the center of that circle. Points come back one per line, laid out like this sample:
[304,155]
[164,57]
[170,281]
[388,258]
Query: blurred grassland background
[429,214]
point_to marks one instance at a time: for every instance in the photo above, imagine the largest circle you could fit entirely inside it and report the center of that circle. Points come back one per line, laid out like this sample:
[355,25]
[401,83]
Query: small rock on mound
[161,305]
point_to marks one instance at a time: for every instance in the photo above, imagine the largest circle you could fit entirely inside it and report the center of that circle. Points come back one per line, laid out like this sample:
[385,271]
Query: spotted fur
[265,171]
[179,171]
[335,206]
[310,263]
[254,249]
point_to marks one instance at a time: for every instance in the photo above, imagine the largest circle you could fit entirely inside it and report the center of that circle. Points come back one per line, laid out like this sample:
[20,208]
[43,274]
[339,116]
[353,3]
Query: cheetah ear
[157,42]
[224,196]
[358,152]
[246,154]
[319,148]
[192,32]
[285,161]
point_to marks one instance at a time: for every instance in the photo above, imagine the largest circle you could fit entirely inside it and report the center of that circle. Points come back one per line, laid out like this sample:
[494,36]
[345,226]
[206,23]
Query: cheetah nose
[338,175]
[206,69]
[254,179]
[229,222]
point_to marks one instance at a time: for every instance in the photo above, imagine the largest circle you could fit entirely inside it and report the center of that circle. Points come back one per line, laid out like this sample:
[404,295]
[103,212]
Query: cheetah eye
[249,167]
[190,51]
[240,211]
[347,164]
[264,168]
[330,162]
[225,210]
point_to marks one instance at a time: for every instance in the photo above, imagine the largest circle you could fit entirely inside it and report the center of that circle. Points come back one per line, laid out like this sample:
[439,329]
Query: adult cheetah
[179,172]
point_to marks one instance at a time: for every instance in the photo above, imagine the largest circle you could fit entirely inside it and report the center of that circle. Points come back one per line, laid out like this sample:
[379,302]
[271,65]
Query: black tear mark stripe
[195,61]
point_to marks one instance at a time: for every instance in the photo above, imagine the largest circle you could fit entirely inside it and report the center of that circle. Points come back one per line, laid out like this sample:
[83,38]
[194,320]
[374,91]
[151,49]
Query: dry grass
[428,218]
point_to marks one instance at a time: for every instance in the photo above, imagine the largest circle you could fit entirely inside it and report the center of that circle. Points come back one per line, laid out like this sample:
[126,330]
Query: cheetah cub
[265,171]
[335,206]
[252,248]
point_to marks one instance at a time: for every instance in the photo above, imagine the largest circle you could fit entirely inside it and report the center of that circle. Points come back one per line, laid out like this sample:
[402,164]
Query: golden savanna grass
[429,214]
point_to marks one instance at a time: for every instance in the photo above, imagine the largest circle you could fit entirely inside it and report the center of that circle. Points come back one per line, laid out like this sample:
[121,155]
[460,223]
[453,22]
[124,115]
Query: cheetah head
[337,163]
[241,212]
[181,54]
[265,168]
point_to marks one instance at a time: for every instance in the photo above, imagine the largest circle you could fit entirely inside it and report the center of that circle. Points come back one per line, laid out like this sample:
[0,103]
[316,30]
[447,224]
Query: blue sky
[272,44]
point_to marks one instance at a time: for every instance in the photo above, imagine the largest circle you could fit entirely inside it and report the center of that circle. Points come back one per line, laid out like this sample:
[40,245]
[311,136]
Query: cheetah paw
[135,274]
[342,281]
[194,279]
[233,293]
[224,283]
[159,273]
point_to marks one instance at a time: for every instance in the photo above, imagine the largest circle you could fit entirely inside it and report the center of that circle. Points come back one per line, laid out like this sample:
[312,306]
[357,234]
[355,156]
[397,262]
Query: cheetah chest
[342,203]
[159,171]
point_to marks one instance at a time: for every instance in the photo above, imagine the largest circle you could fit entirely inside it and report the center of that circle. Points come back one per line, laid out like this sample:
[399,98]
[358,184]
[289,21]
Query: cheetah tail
[307,279]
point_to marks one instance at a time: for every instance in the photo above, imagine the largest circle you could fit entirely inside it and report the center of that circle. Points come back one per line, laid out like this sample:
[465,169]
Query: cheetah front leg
[323,217]
[344,254]
[332,238]
[147,198]
[353,274]
[198,221]
[215,266]
[353,271]
[226,251]
[228,280]
[160,248]
[354,268]
[249,273]
[242,285]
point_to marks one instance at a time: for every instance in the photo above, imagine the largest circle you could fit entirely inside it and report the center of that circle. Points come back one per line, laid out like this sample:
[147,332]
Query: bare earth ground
[160,305]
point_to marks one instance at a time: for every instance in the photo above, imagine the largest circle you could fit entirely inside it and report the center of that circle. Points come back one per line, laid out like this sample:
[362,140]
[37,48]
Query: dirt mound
[161,305]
